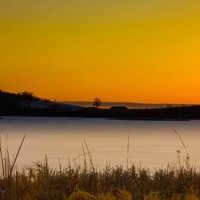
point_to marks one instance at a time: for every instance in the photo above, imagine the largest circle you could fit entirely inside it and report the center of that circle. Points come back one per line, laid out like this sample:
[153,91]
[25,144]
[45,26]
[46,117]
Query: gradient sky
[128,50]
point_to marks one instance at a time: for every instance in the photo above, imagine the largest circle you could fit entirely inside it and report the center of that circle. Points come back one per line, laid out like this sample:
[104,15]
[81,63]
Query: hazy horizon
[103,102]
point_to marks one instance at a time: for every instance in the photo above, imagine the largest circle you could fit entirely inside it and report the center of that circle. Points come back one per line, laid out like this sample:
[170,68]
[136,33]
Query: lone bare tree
[97,102]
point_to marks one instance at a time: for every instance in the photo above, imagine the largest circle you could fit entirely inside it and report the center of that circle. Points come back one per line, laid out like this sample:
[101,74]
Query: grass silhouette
[41,182]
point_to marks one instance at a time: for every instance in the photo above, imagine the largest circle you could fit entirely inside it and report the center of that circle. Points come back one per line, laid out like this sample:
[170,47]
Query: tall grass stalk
[127,153]
[7,165]
[187,156]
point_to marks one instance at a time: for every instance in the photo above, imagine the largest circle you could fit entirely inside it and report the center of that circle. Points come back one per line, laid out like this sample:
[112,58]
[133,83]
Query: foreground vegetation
[40,182]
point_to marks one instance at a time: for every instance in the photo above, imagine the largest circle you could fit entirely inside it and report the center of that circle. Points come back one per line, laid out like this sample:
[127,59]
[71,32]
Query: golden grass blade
[89,156]
[17,154]
[2,160]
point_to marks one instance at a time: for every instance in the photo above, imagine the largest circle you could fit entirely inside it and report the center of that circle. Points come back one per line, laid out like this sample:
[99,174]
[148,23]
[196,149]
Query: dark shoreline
[158,114]
[25,104]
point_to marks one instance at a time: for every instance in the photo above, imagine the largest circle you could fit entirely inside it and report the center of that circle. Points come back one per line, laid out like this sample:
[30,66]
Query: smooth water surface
[152,144]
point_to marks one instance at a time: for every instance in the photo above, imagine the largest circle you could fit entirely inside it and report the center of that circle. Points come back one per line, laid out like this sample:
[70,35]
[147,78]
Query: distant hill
[26,102]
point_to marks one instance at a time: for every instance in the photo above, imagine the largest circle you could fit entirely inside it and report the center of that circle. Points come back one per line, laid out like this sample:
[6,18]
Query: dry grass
[40,182]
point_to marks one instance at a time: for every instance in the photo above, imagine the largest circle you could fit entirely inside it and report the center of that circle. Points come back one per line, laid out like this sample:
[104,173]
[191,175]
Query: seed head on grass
[80,195]
[152,196]
[121,194]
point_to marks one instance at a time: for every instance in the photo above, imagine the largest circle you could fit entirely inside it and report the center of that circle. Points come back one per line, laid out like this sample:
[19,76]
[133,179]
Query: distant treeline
[17,97]
[11,102]
[26,103]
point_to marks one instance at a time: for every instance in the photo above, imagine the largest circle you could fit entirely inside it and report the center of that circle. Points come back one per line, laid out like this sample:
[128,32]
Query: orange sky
[140,51]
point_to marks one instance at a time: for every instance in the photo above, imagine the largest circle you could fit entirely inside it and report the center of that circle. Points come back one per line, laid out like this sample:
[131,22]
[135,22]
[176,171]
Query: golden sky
[128,50]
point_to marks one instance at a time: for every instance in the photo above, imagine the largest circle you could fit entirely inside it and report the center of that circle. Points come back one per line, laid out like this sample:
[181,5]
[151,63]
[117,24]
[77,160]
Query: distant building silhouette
[118,108]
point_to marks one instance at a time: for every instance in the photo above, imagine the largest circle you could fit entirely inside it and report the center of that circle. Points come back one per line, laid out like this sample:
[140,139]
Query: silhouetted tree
[97,102]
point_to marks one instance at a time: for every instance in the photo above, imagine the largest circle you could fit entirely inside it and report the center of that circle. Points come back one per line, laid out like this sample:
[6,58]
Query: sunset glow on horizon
[129,51]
